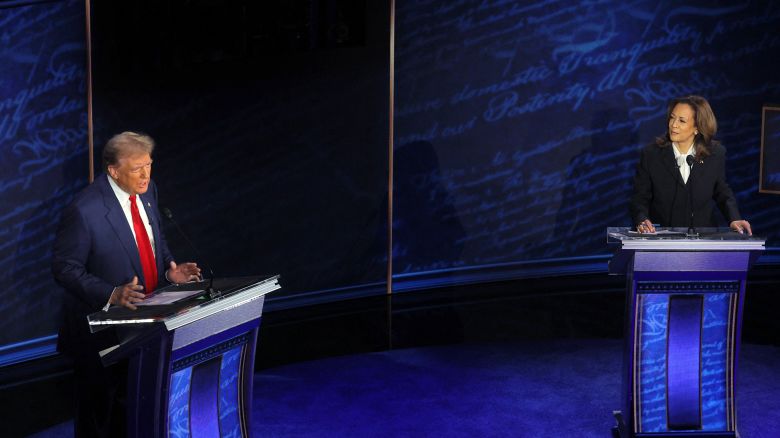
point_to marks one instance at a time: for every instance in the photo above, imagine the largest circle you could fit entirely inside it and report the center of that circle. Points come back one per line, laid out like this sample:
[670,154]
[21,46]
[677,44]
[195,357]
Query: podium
[683,323]
[190,357]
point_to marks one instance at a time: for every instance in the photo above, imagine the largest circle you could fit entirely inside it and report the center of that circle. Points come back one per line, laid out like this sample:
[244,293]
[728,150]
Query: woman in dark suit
[683,172]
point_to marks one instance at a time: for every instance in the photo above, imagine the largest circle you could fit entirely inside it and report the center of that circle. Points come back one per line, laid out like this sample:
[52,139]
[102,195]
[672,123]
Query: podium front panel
[207,393]
[684,349]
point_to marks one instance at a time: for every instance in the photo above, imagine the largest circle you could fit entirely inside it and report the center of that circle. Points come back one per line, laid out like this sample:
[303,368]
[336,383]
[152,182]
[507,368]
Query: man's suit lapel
[670,164]
[118,221]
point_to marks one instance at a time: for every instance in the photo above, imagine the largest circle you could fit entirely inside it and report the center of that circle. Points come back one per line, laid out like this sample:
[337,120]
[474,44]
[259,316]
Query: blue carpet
[562,388]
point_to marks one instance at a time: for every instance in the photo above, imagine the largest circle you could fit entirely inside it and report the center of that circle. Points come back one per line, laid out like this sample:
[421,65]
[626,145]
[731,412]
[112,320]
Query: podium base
[620,431]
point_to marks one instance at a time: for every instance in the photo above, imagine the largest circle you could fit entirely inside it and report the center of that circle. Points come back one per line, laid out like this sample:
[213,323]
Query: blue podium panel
[230,386]
[685,343]
[182,393]
[179,404]
[683,359]
[204,399]
[206,387]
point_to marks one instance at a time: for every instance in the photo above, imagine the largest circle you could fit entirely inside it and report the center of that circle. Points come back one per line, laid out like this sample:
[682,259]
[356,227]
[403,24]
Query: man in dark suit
[110,250]
[683,173]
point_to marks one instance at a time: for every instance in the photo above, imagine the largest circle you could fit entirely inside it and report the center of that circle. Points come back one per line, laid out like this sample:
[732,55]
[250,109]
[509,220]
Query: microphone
[691,230]
[210,289]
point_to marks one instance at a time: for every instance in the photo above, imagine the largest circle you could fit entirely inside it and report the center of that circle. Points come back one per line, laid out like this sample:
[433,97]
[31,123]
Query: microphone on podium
[691,229]
[210,289]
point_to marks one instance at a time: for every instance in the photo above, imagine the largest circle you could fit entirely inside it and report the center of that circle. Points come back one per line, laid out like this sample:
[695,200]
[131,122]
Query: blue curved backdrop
[43,145]
[518,124]
[517,128]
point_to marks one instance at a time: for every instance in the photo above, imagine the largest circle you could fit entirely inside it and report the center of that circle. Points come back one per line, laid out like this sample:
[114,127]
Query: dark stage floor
[561,388]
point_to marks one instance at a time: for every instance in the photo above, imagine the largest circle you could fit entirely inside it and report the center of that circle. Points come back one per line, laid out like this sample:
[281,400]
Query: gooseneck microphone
[691,229]
[210,289]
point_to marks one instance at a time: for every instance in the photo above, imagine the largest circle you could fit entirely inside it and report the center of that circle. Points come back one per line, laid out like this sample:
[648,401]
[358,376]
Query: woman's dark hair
[706,124]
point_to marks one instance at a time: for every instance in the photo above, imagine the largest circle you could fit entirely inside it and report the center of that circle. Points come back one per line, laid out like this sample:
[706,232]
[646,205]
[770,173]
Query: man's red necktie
[144,249]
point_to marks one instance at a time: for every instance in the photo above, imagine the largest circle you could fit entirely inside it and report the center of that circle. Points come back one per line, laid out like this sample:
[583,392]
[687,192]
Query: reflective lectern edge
[185,315]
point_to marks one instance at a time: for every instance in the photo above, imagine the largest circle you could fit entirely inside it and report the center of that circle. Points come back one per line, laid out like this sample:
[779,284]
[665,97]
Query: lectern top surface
[199,304]
[678,238]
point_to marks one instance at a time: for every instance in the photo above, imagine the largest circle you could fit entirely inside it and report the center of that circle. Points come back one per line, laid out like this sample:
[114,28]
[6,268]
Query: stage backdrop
[271,120]
[43,145]
[517,129]
[518,124]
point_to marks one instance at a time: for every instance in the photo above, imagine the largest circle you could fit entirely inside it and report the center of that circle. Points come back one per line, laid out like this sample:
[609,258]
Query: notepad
[167,297]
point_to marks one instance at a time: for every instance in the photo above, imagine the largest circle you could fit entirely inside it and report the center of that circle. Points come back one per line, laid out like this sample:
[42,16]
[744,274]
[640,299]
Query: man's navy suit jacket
[661,195]
[94,252]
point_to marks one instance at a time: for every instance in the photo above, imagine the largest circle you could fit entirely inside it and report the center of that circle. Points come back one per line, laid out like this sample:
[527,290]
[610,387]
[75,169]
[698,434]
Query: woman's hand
[646,227]
[741,226]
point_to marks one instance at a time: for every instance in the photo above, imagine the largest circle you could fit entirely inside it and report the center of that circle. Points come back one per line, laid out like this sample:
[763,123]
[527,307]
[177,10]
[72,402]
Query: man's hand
[741,227]
[127,294]
[183,273]
[646,227]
